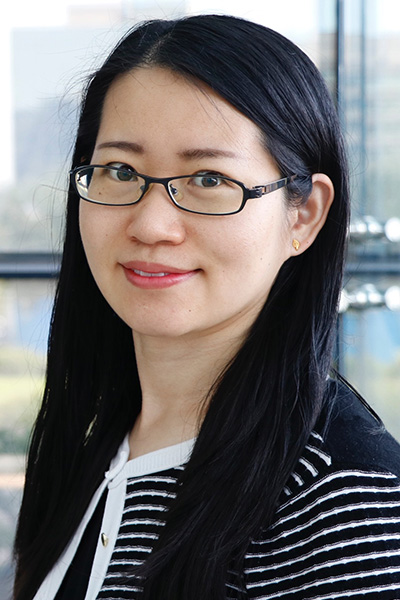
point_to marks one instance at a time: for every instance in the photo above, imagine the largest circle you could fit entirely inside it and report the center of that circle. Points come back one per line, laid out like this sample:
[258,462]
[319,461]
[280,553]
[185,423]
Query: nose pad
[170,189]
[149,187]
[177,194]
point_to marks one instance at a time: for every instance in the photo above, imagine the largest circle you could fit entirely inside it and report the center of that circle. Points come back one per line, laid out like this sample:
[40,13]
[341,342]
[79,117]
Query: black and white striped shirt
[336,533]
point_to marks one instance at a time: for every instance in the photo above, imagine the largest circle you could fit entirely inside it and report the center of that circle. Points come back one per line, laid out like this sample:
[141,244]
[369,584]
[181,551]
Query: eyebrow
[121,145]
[207,153]
[191,153]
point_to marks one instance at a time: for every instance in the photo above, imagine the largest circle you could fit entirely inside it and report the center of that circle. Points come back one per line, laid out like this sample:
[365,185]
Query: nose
[155,219]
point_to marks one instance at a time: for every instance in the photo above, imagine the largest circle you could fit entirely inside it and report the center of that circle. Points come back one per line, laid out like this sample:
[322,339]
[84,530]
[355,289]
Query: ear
[310,217]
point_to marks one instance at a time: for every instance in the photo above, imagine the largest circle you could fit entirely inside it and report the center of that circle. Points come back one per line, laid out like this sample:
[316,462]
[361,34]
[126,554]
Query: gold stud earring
[296,244]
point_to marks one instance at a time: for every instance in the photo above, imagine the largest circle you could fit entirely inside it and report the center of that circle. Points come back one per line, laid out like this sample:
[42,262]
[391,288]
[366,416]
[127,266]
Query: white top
[115,480]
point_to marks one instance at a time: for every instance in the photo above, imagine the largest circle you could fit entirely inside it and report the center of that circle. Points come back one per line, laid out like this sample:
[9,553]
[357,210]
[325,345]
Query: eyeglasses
[202,193]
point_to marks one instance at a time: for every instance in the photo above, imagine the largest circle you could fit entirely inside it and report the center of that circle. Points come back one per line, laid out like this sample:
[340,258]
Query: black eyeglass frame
[255,192]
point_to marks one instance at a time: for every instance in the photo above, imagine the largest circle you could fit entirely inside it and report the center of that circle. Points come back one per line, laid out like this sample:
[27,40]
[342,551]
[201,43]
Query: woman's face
[164,271]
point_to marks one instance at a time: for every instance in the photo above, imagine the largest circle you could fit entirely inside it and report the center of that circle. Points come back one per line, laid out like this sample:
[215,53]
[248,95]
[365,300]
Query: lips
[155,275]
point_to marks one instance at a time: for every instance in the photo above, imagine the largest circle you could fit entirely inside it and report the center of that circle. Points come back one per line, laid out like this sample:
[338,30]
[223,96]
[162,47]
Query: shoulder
[337,529]
[349,443]
[355,435]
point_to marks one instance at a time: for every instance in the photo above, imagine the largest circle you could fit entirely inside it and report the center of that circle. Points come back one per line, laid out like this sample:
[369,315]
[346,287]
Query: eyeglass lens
[203,193]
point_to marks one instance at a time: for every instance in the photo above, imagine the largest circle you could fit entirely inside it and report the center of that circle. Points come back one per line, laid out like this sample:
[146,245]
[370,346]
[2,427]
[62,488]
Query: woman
[191,341]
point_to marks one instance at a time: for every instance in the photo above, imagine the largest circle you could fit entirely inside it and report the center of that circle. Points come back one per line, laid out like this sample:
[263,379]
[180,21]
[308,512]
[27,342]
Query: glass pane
[370,110]
[24,321]
[370,342]
[370,103]
[52,51]
[50,48]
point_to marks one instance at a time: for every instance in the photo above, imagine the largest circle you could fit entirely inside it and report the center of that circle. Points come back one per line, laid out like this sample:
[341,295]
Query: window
[51,47]
[369,98]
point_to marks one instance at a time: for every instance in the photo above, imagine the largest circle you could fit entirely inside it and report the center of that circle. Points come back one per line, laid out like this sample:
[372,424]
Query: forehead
[154,104]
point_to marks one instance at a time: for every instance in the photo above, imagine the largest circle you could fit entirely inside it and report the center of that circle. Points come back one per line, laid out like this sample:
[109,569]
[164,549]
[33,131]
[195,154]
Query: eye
[122,172]
[208,180]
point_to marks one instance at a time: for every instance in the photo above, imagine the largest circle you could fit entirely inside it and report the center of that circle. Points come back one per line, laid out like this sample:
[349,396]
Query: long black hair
[265,403]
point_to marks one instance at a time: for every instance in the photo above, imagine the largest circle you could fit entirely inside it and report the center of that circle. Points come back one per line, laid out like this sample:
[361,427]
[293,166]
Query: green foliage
[21,386]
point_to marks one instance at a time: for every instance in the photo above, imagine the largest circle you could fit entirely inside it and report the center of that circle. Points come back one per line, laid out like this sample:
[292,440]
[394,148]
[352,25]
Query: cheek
[94,238]
[95,227]
[85,222]
[244,272]
[258,245]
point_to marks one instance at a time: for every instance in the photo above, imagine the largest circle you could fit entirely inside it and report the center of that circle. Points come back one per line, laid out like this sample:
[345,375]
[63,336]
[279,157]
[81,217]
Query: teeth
[144,274]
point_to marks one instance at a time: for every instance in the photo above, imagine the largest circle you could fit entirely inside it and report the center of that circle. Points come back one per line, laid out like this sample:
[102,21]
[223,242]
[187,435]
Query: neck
[176,377]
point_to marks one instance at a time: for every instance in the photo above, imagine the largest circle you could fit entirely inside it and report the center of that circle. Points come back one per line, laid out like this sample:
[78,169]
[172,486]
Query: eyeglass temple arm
[261,190]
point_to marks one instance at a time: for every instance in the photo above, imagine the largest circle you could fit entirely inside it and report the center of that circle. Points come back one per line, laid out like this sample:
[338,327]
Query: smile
[158,276]
[145,274]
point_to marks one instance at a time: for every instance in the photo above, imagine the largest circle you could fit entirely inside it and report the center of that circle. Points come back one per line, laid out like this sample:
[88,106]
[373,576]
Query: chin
[167,330]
